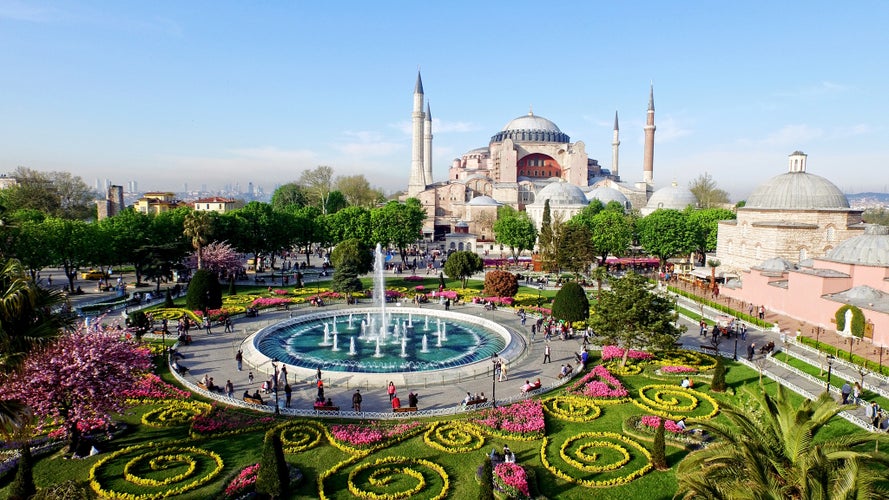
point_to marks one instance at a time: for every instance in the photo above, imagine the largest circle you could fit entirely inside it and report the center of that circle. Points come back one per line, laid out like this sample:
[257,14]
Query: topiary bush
[718,383]
[857,327]
[345,279]
[168,300]
[501,284]
[138,321]
[204,291]
[571,303]
[486,480]
[658,449]
[273,477]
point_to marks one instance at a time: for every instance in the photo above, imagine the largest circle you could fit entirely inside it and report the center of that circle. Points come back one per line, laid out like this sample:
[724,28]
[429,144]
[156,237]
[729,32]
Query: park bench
[404,409]
[282,307]
[709,348]
[472,402]
[326,408]
[202,386]
[254,401]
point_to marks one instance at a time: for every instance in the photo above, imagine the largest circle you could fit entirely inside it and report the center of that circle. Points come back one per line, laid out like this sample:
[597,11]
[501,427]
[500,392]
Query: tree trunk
[73,437]
[23,486]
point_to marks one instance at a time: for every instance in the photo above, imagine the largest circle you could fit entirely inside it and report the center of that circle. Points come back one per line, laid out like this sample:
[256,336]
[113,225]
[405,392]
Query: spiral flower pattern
[572,408]
[675,402]
[454,437]
[301,436]
[699,360]
[155,472]
[394,478]
[598,459]
[175,413]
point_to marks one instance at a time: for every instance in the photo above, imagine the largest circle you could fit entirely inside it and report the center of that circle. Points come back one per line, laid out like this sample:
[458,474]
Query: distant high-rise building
[250,188]
[203,188]
[112,204]
[185,187]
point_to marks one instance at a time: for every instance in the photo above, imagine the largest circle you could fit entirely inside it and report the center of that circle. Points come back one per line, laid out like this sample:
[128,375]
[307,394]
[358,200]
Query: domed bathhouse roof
[484,201]
[775,265]
[531,128]
[868,249]
[797,190]
[560,194]
[606,194]
[674,197]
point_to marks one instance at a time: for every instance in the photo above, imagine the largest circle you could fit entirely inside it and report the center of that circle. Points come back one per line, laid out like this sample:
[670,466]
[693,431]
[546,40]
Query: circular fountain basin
[461,347]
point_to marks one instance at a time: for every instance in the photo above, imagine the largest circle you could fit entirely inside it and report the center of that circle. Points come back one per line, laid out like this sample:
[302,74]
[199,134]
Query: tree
[658,448]
[546,238]
[600,274]
[71,243]
[462,265]
[705,190]
[273,477]
[128,231]
[289,195]
[632,316]
[357,191]
[198,228]
[704,224]
[204,291]
[318,185]
[612,233]
[774,450]
[398,224]
[501,284]
[258,229]
[574,250]
[665,233]
[515,230]
[26,244]
[571,303]
[336,202]
[350,222]
[221,259]
[78,378]
[718,382]
[350,258]
[57,194]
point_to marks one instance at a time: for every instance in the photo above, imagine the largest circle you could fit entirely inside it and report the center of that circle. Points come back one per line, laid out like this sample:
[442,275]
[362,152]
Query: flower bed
[610,352]
[597,459]
[522,421]
[673,402]
[654,421]
[174,413]
[453,437]
[512,479]
[243,483]
[598,383]
[301,435]
[222,419]
[678,369]
[151,388]
[356,438]
[382,478]
[572,408]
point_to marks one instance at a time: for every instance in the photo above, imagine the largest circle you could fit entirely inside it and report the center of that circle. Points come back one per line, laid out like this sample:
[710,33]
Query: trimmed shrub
[501,284]
[486,492]
[571,303]
[658,449]
[204,291]
[273,477]
[345,279]
[138,321]
[857,327]
[168,300]
[718,383]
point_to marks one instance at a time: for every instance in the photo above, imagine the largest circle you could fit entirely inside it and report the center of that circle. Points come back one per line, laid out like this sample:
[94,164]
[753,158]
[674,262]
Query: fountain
[334,325]
[403,347]
[335,343]
[352,351]
[326,341]
[425,344]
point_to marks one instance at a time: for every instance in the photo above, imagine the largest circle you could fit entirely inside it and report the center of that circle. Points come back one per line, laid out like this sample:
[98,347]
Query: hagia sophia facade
[796,246]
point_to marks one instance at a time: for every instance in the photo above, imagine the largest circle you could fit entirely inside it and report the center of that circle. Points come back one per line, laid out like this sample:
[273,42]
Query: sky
[221,92]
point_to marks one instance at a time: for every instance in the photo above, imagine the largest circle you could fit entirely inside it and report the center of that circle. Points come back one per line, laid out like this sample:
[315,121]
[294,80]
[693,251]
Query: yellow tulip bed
[674,402]
[174,413]
[453,437]
[406,476]
[598,459]
[572,408]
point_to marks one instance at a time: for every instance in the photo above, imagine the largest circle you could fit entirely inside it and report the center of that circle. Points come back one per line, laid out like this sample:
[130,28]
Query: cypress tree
[571,303]
[168,300]
[487,481]
[204,291]
[273,477]
[658,449]
[718,384]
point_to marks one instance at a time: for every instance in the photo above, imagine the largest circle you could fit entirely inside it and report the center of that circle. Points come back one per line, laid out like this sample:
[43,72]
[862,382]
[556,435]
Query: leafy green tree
[358,191]
[659,448]
[289,195]
[350,222]
[706,191]
[204,291]
[318,185]
[462,265]
[71,244]
[665,233]
[398,224]
[515,230]
[307,226]
[571,303]
[612,233]
[350,258]
[703,225]
[273,477]
[258,229]
[574,250]
[632,316]
[57,194]
[336,201]
[26,243]
[501,284]
[125,233]
[778,448]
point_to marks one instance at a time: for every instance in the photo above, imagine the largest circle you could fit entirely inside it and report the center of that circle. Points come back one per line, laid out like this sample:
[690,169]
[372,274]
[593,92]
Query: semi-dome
[531,128]
[484,201]
[561,194]
[869,249]
[606,194]
[797,191]
[673,197]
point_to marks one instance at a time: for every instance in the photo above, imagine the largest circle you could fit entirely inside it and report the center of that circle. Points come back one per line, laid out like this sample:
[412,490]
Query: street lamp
[829,367]
[494,380]
[736,348]
[275,366]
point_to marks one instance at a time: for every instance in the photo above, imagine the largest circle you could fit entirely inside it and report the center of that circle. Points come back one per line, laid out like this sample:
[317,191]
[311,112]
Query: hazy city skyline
[225,93]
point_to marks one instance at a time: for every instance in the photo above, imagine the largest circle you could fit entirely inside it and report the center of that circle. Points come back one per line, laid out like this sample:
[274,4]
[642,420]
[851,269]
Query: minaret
[417,182]
[427,145]
[648,157]
[615,142]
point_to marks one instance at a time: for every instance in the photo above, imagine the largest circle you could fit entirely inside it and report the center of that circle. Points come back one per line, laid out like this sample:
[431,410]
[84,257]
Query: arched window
[831,234]
[803,254]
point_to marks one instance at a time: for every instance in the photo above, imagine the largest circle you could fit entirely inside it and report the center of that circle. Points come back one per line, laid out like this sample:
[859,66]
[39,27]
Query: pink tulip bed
[522,420]
[512,480]
[598,383]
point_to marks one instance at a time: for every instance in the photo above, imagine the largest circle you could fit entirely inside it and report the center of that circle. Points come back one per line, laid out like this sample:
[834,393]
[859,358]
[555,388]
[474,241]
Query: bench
[709,348]
[282,307]
[476,401]
[202,386]
[326,408]
[254,401]
[404,409]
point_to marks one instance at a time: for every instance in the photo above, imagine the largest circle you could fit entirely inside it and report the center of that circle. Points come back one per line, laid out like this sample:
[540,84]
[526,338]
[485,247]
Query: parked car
[92,274]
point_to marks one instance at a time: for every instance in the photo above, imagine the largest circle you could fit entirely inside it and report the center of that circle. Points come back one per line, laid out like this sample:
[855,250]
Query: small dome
[484,201]
[869,249]
[461,224]
[674,197]
[560,194]
[606,194]
[797,191]
[776,265]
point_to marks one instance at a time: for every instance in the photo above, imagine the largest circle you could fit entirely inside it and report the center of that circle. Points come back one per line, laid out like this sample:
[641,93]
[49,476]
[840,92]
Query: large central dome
[798,191]
[531,128]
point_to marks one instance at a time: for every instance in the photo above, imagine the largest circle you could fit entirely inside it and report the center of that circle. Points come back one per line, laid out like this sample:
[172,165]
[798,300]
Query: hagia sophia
[796,246]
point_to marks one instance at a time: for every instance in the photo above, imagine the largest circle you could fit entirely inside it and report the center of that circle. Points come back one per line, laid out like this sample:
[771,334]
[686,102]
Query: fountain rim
[515,346]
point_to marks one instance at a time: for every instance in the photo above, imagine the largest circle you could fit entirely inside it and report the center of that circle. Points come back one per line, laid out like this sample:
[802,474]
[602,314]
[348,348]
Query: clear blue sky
[216,92]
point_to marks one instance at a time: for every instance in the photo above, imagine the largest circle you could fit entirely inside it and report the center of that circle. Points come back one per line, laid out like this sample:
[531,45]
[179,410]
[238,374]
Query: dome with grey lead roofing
[561,194]
[484,201]
[606,194]
[868,249]
[797,191]
[531,128]
[776,265]
[673,197]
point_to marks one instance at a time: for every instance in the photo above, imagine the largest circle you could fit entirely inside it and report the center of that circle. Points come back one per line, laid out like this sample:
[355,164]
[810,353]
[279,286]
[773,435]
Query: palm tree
[713,263]
[198,225]
[772,451]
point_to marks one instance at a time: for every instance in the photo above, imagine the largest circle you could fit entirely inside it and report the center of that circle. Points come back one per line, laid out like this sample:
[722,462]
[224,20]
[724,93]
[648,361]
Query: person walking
[391,390]
[546,355]
[320,389]
[846,390]
[750,350]
[229,389]
[318,375]
[503,375]
[239,357]
[207,324]
[287,393]
[356,400]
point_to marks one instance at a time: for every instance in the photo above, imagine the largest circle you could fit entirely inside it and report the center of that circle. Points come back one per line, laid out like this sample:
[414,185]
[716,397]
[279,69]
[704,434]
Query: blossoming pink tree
[221,258]
[78,379]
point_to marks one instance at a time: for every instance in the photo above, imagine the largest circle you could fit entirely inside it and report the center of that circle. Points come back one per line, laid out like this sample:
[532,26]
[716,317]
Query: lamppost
[736,348]
[275,366]
[829,367]
[494,380]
